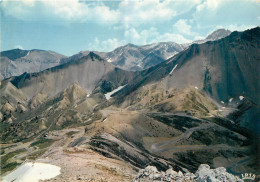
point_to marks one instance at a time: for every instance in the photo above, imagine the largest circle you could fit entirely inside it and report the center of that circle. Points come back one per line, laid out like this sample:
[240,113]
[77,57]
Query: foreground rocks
[204,173]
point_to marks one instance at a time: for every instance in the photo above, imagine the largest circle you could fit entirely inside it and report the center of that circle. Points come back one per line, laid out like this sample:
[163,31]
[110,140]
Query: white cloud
[198,37]
[183,27]
[18,47]
[152,35]
[134,36]
[106,45]
[128,13]
[68,10]
[178,38]
[138,12]
[229,14]
[214,4]
[142,37]
[111,44]
[209,4]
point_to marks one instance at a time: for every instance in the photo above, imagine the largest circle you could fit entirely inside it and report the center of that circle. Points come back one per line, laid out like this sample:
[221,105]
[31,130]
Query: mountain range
[188,106]
[129,57]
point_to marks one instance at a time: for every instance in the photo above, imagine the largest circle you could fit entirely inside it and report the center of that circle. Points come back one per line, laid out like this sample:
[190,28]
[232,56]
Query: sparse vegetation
[5,165]
[42,143]
[2,151]
[69,134]
[9,155]
[9,167]
[35,155]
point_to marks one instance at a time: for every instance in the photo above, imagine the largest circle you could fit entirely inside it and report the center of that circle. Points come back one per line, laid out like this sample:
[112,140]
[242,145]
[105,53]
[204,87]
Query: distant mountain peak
[16,61]
[130,45]
[218,34]
[94,56]
[14,53]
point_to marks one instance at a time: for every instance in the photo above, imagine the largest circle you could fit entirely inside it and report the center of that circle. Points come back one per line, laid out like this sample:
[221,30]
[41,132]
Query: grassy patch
[37,154]
[2,151]
[69,134]
[9,167]
[9,155]
[42,143]
[5,166]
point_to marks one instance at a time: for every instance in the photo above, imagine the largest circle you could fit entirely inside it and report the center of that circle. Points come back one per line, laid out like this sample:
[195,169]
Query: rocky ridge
[15,62]
[204,173]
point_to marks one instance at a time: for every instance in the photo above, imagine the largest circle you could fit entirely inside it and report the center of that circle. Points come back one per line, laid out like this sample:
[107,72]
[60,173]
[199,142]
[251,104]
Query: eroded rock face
[204,173]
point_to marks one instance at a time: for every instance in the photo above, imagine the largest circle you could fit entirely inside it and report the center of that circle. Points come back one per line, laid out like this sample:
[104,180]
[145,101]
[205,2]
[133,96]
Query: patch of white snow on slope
[33,172]
[108,94]
[27,53]
[173,69]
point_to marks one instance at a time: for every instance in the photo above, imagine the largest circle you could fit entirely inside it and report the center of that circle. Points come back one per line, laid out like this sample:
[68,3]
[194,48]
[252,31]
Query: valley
[99,122]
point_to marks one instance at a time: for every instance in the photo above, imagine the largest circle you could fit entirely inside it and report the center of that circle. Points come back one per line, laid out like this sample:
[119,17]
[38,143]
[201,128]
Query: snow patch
[241,97]
[196,88]
[33,172]
[230,100]
[173,69]
[109,60]
[222,102]
[108,95]
[88,95]
[171,55]
[139,65]
[172,59]
[28,53]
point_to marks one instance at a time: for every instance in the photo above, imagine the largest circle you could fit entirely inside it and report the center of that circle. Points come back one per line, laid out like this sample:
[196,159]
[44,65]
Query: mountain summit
[218,34]
[15,62]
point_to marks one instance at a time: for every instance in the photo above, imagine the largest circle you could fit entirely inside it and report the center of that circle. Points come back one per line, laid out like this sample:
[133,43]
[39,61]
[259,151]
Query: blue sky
[71,26]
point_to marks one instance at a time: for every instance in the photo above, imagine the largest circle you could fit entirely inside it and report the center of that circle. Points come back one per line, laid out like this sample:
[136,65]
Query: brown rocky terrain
[180,114]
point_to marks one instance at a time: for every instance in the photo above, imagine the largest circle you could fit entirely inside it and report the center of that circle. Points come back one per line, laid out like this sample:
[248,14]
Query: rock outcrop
[204,173]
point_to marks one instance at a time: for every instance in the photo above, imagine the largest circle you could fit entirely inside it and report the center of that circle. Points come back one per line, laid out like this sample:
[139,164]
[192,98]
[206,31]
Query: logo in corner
[248,176]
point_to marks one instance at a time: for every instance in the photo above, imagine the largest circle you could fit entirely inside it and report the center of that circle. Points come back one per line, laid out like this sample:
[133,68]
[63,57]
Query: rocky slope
[132,57]
[223,69]
[192,109]
[135,58]
[91,72]
[15,62]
